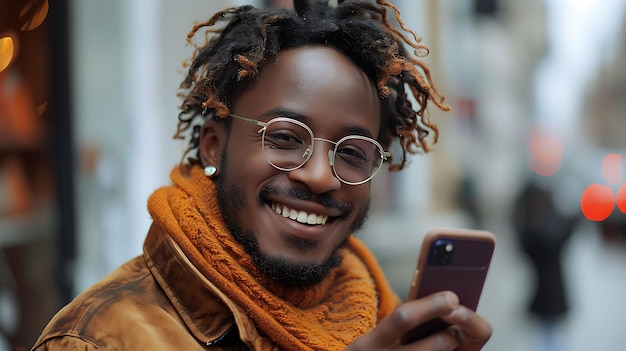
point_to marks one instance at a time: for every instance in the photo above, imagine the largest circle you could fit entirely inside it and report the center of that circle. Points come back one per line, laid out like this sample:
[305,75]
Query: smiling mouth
[300,216]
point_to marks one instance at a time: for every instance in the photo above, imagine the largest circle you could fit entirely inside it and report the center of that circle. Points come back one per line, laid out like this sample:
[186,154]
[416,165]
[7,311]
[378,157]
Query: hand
[469,331]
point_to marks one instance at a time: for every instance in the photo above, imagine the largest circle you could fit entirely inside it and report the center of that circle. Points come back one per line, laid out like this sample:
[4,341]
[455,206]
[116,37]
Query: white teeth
[300,216]
[293,214]
[311,219]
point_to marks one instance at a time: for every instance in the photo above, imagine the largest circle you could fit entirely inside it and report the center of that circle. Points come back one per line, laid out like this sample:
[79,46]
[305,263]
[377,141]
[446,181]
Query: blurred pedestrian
[543,232]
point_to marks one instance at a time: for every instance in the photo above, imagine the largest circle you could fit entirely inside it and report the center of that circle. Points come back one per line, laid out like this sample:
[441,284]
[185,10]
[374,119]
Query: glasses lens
[286,144]
[357,159]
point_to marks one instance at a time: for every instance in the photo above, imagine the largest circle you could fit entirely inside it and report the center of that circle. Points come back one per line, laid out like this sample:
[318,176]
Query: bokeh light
[546,152]
[30,17]
[612,169]
[7,52]
[620,198]
[597,202]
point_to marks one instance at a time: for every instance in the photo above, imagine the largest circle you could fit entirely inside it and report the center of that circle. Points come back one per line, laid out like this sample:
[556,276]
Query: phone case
[451,259]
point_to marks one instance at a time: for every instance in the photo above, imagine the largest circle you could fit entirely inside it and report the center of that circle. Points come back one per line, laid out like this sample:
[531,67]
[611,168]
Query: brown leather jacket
[157,301]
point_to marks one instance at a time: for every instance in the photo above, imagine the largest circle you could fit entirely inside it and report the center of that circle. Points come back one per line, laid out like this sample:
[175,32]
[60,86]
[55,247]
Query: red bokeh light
[620,198]
[597,202]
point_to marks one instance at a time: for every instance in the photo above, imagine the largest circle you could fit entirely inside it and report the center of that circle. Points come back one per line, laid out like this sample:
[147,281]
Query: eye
[352,154]
[283,139]
[358,152]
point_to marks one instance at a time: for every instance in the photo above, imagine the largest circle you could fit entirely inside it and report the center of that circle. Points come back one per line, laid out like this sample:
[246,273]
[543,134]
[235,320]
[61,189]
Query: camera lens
[442,252]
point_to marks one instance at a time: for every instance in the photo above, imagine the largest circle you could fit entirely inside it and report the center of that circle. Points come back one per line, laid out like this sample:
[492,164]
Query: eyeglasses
[288,145]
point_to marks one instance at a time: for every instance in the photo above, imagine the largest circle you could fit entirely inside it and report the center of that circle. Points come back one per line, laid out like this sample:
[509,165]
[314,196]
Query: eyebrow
[284,112]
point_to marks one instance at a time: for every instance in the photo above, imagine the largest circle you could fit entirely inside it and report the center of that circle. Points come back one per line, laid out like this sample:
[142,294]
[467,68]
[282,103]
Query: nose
[317,172]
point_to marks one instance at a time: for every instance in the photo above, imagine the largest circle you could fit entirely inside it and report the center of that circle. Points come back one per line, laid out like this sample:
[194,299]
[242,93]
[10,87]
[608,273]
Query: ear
[212,141]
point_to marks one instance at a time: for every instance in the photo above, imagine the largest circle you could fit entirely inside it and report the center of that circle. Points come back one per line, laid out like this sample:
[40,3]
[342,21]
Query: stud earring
[210,171]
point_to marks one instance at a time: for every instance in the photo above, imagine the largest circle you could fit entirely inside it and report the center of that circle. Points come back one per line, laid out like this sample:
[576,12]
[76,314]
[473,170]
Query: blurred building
[537,89]
[35,222]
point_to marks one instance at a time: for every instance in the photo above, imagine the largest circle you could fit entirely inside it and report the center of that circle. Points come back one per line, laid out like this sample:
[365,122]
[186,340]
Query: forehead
[317,82]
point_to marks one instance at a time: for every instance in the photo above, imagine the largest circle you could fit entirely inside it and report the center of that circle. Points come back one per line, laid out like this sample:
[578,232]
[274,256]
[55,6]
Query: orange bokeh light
[597,202]
[31,17]
[546,152]
[620,198]
[612,169]
[545,147]
[7,52]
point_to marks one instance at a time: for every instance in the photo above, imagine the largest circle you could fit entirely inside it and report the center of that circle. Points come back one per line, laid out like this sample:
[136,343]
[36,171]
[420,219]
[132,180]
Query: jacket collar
[204,309]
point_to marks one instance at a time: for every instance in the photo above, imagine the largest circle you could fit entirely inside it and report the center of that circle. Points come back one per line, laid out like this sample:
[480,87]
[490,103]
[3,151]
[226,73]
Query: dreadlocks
[230,59]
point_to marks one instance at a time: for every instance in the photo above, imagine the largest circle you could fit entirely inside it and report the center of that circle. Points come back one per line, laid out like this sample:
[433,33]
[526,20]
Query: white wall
[127,65]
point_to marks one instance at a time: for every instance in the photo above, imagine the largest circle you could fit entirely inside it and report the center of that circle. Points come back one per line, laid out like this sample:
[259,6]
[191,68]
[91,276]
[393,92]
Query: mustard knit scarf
[348,303]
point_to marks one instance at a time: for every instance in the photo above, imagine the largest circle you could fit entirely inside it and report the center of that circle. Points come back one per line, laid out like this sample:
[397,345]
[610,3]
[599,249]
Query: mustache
[306,195]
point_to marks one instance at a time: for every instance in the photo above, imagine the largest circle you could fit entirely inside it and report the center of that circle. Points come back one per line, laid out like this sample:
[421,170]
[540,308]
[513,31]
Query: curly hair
[232,55]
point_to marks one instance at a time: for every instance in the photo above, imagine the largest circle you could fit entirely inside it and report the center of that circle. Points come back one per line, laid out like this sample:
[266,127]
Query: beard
[282,270]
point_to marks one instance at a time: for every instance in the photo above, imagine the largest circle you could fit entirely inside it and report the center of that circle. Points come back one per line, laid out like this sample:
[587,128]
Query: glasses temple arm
[263,125]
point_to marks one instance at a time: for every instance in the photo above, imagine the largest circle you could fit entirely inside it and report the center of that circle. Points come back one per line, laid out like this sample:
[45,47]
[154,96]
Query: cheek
[362,194]
[246,163]
[360,199]
[243,172]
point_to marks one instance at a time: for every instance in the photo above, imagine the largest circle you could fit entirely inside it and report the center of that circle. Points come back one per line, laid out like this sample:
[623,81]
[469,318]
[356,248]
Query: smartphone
[451,259]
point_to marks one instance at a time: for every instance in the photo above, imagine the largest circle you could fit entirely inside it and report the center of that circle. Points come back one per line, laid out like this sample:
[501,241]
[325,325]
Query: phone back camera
[442,252]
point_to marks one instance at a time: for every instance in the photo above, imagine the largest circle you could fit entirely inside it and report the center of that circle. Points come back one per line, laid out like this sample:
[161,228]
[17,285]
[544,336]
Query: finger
[441,341]
[473,330]
[413,313]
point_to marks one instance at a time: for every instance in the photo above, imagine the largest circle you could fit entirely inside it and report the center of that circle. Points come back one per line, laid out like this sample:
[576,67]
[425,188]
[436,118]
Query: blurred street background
[532,151]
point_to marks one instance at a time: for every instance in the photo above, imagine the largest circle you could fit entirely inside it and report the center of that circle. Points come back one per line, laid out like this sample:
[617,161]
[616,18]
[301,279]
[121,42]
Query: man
[289,116]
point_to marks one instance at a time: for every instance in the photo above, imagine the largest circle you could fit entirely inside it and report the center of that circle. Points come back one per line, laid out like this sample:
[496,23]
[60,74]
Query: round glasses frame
[384,155]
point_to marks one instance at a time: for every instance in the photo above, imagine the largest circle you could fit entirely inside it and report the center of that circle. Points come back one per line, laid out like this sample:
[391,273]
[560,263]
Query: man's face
[325,90]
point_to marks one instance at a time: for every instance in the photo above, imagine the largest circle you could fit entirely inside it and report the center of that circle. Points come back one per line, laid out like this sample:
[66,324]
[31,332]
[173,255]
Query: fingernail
[462,314]
[452,299]
[458,334]
[444,342]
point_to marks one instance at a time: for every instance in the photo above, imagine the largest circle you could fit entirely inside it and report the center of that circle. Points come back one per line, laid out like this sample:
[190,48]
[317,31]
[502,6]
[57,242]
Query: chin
[291,271]
[294,273]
